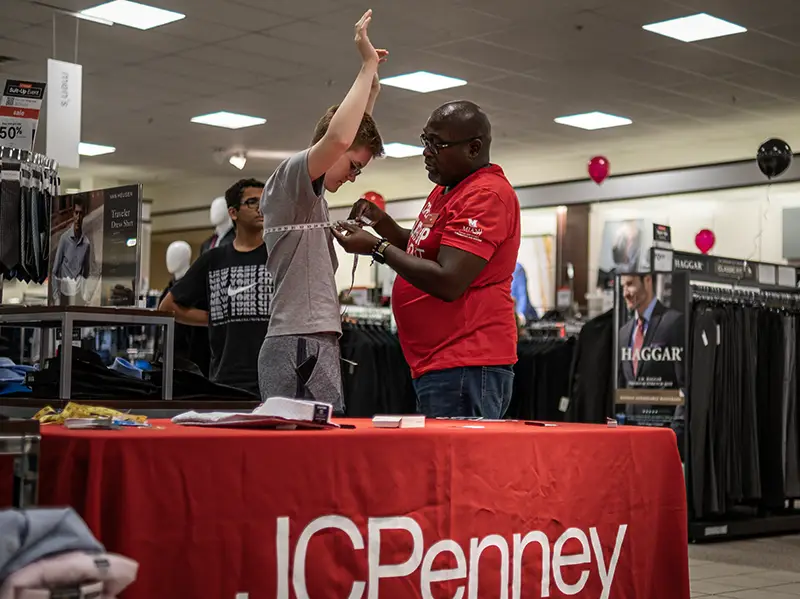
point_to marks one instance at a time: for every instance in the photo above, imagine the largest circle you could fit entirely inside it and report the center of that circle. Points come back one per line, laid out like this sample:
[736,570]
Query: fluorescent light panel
[695,28]
[228,120]
[593,120]
[270,154]
[423,82]
[132,14]
[87,149]
[400,150]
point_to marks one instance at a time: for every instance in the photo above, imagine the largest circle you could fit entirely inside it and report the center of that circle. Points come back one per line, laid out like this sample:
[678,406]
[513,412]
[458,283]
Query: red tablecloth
[504,511]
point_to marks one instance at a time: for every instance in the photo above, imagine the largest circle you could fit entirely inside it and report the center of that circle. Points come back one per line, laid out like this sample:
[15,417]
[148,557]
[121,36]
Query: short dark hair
[233,197]
[367,136]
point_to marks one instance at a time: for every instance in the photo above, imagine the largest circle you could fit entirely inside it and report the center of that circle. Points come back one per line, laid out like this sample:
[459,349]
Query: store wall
[747,222]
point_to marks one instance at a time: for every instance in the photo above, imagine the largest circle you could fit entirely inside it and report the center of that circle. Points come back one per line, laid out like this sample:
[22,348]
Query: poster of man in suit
[650,349]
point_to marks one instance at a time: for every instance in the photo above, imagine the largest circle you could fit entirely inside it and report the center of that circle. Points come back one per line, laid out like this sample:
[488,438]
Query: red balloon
[704,240]
[599,169]
[375,198]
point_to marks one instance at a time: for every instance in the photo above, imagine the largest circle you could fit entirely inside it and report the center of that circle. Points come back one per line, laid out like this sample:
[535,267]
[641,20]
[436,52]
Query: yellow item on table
[49,415]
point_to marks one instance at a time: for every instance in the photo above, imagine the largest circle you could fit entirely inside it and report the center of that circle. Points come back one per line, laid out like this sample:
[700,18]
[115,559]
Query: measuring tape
[329,225]
[307,226]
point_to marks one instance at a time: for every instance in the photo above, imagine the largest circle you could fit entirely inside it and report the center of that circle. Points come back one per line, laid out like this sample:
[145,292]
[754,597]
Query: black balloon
[774,157]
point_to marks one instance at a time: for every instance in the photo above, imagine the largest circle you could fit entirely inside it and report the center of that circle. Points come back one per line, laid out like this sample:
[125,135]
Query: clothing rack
[742,409]
[744,295]
[557,329]
[369,315]
[31,180]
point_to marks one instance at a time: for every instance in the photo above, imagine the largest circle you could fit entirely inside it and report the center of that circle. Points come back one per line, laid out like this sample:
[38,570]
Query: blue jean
[465,392]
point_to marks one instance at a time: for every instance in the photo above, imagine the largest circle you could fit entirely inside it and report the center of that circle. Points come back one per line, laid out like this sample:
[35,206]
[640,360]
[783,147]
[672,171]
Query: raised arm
[373,94]
[345,122]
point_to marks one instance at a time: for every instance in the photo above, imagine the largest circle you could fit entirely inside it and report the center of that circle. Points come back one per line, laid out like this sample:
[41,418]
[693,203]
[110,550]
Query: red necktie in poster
[638,341]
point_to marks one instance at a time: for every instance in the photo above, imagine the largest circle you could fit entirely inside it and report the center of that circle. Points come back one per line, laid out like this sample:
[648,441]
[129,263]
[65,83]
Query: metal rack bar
[25,449]
[67,320]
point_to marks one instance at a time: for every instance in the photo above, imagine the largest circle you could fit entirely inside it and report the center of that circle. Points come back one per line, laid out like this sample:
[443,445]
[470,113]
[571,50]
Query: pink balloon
[704,240]
[599,169]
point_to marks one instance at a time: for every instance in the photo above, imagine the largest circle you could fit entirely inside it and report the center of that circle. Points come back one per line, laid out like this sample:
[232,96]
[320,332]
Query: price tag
[20,106]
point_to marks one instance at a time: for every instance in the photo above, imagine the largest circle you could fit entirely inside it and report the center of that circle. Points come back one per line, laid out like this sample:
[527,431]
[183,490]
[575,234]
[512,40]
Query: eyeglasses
[355,170]
[251,202]
[436,146]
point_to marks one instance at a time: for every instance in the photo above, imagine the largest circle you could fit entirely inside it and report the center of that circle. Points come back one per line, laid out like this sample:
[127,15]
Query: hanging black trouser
[704,345]
[9,217]
[751,471]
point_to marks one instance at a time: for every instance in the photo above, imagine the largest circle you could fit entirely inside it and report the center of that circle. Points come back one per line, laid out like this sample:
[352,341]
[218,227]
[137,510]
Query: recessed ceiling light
[398,150]
[229,120]
[132,14]
[694,28]
[593,120]
[238,160]
[423,82]
[87,149]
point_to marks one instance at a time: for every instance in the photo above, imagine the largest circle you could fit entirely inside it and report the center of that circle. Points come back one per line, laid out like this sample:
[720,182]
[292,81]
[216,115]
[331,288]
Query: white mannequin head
[179,258]
[219,213]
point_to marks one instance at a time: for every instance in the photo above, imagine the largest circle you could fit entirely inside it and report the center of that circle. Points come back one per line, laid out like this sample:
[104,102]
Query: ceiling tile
[25,11]
[770,82]
[589,37]
[306,9]
[530,12]
[728,94]
[229,15]
[744,12]
[239,63]
[213,75]
[488,55]
[275,49]
[691,58]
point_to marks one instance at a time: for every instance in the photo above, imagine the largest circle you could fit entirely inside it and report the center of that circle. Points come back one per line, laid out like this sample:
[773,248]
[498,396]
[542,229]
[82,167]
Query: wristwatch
[378,252]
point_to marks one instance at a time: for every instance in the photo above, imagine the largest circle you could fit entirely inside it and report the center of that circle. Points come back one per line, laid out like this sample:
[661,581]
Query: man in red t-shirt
[452,297]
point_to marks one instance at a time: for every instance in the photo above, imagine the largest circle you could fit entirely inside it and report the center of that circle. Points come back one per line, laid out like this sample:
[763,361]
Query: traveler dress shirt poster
[94,257]
[650,345]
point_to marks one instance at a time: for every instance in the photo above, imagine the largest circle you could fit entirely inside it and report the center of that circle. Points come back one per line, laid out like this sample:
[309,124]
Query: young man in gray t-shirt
[300,355]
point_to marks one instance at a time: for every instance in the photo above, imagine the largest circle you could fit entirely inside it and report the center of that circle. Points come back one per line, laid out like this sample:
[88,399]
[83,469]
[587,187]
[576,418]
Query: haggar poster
[650,347]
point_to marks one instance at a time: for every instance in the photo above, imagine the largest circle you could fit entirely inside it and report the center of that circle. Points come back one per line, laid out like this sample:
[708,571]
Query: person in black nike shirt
[228,289]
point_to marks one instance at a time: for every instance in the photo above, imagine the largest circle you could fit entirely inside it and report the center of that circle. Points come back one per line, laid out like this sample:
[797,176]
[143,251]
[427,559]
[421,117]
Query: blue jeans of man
[465,392]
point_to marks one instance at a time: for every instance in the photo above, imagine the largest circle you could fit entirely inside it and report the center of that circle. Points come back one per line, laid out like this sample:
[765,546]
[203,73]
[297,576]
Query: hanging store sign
[20,106]
[64,112]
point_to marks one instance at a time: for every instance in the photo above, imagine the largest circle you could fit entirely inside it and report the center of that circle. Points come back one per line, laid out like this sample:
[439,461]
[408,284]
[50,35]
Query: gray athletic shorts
[302,367]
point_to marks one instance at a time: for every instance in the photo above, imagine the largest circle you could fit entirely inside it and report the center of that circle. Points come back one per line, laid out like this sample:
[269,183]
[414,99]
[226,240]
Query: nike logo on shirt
[236,291]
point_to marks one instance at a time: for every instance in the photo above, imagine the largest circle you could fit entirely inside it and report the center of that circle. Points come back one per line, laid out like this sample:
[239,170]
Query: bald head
[465,117]
[459,138]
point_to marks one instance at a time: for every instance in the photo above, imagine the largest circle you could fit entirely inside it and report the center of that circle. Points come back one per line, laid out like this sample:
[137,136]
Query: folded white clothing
[276,411]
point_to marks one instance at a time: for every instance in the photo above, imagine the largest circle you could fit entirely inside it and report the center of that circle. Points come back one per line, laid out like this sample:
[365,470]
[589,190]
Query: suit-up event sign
[20,106]
[650,349]
[95,252]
